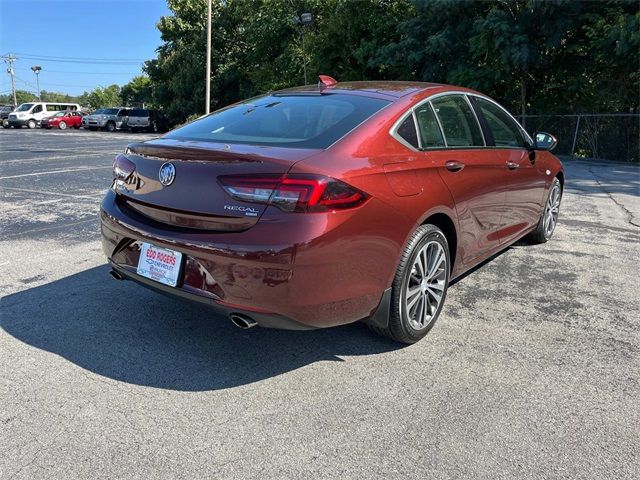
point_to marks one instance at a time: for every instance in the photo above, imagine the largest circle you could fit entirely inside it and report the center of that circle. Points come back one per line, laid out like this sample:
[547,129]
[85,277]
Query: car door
[453,140]
[525,184]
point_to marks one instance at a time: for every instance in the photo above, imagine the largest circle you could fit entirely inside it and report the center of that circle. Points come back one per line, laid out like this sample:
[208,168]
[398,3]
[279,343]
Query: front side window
[430,133]
[506,132]
[459,124]
[285,120]
[37,109]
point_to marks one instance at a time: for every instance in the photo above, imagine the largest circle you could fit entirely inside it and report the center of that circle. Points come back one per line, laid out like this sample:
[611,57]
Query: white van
[31,114]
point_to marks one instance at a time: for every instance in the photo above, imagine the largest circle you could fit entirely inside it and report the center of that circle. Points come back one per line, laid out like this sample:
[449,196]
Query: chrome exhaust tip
[116,275]
[242,321]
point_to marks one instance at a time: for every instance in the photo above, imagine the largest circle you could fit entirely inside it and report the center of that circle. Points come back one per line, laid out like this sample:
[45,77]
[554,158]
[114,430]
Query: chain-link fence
[614,136]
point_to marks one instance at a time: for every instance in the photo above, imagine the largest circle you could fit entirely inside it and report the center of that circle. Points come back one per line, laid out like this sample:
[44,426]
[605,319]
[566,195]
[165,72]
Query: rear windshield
[300,121]
[106,111]
[138,113]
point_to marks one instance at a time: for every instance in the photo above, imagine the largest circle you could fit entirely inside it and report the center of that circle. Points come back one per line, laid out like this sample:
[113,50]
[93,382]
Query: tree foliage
[102,97]
[536,56]
[137,91]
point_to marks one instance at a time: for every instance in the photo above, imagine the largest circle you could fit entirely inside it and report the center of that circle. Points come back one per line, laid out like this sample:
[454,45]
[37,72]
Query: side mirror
[545,141]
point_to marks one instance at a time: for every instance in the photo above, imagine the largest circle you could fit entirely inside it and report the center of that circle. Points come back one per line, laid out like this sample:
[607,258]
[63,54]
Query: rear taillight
[122,167]
[294,193]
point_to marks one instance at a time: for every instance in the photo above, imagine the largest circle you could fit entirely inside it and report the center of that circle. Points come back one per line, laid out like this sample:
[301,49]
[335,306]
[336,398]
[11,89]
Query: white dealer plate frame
[159,264]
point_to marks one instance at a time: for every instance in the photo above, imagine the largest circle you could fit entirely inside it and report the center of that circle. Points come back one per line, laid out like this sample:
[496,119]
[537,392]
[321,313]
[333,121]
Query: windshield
[24,107]
[59,114]
[300,121]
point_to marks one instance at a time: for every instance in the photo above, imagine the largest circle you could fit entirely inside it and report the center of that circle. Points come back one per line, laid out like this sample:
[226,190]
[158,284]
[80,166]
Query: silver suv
[109,119]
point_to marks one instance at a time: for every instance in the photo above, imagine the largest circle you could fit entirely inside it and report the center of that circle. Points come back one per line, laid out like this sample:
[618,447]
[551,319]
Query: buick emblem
[167,174]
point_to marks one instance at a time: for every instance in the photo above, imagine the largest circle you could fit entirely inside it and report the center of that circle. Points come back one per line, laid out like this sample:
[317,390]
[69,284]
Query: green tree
[102,97]
[138,91]
[22,96]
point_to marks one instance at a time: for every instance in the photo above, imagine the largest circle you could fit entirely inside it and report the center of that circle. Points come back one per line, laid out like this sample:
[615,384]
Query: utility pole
[208,90]
[9,59]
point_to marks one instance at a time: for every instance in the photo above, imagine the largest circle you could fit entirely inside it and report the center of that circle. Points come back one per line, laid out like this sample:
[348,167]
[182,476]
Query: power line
[78,60]
[85,73]
[81,58]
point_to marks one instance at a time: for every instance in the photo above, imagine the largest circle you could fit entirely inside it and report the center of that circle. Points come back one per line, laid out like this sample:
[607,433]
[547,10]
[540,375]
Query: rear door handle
[513,165]
[454,166]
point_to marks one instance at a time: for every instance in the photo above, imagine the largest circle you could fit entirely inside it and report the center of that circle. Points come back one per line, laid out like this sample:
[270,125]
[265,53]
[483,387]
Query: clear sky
[94,42]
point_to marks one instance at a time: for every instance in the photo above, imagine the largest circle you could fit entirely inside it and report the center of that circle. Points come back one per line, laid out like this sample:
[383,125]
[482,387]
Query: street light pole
[208,89]
[37,69]
[304,20]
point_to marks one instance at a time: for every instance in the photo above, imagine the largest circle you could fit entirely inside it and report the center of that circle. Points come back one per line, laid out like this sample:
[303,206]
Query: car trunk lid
[194,198]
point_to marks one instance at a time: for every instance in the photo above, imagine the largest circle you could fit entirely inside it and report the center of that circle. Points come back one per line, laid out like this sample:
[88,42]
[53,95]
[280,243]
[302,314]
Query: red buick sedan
[319,206]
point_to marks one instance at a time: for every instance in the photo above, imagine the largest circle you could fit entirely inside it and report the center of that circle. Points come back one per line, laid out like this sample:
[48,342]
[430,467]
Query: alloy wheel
[425,287]
[551,210]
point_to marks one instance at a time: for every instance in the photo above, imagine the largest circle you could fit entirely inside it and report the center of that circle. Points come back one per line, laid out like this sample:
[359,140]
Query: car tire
[419,287]
[110,127]
[5,124]
[549,218]
[62,125]
[31,124]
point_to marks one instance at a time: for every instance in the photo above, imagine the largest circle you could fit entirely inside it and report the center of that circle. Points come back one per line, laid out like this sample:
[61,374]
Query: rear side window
[294,120]
[407,130]
[506,132]
[459,124]
[138,112]
[430,133]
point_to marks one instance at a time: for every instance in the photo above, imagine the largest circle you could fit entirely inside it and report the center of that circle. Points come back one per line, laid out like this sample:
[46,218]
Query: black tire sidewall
[398,321]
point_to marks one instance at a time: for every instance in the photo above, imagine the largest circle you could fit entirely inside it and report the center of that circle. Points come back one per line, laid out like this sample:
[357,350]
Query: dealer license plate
[159,264]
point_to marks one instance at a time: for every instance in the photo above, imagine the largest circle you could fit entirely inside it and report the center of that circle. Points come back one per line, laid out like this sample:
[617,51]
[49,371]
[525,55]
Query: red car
[319,206]
[63,120]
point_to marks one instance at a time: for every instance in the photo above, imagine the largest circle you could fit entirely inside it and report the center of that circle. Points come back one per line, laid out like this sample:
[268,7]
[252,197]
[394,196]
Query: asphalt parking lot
[531,371]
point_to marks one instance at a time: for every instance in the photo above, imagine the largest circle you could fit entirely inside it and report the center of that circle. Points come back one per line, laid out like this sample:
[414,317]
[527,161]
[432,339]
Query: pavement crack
[630,217]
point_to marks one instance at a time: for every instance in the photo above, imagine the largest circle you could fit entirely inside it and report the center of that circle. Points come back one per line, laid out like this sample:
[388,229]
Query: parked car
[109,119]
[5,110]
[319,206]
[63,120]
[149,120]
[31,114]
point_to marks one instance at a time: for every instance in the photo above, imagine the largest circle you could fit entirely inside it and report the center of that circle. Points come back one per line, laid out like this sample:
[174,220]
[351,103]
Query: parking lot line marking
[59,157]
[27,190]
[51,172]
[52,227]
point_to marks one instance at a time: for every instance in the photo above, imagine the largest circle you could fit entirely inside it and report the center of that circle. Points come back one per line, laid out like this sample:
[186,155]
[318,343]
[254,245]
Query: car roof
[393,90]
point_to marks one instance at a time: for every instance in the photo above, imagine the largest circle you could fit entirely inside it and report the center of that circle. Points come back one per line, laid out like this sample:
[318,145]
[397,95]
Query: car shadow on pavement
[125,332]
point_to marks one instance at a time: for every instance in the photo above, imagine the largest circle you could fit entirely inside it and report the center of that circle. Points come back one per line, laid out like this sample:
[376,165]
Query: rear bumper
[264,319]
[322,275]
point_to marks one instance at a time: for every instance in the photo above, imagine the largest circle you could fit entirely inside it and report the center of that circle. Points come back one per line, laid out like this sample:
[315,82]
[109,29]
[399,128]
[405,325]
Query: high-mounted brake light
[294,193]
[325,81]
